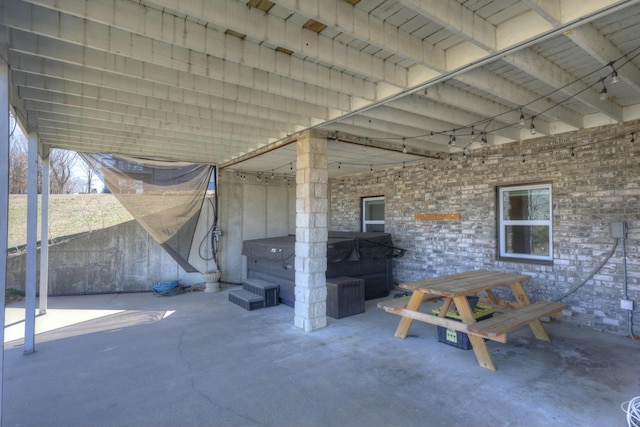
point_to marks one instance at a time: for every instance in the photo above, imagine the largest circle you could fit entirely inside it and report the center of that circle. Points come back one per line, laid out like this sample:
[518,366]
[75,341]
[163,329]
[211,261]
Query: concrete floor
[197,360]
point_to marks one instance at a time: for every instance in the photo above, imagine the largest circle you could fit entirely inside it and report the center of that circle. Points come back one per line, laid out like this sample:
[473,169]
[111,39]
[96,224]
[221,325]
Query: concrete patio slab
[195,359]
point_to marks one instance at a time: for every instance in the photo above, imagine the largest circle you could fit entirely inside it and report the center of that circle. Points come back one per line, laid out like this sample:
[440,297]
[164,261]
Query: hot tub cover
[341,246]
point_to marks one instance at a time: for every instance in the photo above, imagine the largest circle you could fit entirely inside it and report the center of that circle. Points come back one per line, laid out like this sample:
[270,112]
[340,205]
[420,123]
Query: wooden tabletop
[465,283]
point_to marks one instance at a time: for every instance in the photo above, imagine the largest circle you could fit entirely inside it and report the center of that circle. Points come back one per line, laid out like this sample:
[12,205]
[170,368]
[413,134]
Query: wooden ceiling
[225,80]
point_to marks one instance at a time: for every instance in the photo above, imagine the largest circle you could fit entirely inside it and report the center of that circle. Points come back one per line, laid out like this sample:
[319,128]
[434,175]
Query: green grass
[68,214]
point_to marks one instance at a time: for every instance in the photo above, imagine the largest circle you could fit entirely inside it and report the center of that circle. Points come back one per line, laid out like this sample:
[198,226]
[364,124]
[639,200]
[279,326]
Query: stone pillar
[311,232]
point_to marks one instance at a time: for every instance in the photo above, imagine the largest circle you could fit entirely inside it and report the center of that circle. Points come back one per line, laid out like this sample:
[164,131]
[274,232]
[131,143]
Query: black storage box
[460,339]
[345,296]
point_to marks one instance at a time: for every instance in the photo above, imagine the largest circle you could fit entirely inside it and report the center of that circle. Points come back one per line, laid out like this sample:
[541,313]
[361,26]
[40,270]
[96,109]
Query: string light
[614,74]
[603,92]
[573,153]
[521,117]
[364,148]
[633,137]
[404,147]
[431,135]
[523,159]
[533,127]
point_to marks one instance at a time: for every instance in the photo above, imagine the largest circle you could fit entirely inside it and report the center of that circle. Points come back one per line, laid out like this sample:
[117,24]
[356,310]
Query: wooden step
[501,323]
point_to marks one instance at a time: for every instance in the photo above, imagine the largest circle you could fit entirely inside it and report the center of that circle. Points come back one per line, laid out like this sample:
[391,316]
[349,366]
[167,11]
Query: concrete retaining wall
[597,185]
[122,258]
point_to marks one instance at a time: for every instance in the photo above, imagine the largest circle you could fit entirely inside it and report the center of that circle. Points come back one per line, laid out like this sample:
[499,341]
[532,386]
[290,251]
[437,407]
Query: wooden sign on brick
[436,217]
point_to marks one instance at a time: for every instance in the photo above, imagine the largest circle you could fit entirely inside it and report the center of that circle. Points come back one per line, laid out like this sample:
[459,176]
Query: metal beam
[4,194]
[44,232]
[32,238]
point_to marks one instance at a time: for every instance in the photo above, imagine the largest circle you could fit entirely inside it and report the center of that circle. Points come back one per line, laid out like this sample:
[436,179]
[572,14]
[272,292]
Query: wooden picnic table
[454,289]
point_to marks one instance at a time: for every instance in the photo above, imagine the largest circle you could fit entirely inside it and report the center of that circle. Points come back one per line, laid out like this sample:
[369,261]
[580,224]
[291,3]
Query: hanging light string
[519,109]
[485,123]
[369,167]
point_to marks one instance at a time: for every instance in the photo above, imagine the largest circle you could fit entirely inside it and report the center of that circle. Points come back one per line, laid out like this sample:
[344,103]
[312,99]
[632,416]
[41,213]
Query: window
[373,213]
[525,226]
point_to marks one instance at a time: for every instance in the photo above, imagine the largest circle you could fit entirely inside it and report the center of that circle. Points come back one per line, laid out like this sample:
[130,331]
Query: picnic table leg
[536,326]
[405,323]
[477,343]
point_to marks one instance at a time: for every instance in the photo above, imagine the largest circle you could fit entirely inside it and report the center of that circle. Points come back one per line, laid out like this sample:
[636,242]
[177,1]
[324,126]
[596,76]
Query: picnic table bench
[454,289]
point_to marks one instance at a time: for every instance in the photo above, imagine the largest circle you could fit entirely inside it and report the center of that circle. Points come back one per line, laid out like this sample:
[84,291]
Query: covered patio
[307,109]
[197,360]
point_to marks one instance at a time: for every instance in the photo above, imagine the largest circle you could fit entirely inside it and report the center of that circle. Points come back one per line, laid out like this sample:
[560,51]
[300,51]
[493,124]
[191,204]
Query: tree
[60,166]
[61,163]
[18,160]
[89,174]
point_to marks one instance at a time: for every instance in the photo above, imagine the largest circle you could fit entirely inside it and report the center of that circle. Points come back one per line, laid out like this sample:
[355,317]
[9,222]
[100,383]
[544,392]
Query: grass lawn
[68,214]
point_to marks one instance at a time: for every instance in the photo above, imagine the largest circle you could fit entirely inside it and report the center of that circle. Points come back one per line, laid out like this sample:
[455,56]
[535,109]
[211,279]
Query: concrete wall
[597,186]
[122,258]
[252,209]
[125,258]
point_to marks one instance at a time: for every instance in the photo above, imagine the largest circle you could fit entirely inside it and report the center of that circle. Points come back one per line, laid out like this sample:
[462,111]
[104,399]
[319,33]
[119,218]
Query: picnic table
[454,289]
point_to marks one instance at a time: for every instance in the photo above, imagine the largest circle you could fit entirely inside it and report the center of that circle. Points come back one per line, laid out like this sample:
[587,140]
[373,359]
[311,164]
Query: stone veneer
[311,232]
[596,180]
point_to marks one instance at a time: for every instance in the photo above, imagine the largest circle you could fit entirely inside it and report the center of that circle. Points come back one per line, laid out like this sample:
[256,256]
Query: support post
[4,195]
[311,232]
[44,234]
[32,237]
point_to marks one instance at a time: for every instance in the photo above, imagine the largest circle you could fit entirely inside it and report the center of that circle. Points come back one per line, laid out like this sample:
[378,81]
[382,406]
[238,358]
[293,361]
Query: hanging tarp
[164,197]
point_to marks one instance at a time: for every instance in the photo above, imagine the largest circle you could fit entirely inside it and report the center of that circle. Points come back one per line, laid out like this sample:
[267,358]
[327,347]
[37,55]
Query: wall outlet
[626,304]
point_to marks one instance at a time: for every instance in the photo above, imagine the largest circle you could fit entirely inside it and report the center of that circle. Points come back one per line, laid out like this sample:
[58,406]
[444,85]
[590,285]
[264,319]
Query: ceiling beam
[451,117]
[516,95]
[221,56]
[359,24]
[544,70]
[297,98]
[589,39]
[167,100]
[232,15]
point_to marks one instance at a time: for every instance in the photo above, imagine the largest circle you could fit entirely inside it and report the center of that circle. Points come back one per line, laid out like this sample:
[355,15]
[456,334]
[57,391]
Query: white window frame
[366,222]
[502,224]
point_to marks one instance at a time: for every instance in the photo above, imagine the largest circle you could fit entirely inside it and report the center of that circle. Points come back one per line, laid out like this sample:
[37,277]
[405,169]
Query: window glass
[525,228]
[373,214]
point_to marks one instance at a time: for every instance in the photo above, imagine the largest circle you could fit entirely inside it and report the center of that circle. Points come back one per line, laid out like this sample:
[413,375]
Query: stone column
[311,232]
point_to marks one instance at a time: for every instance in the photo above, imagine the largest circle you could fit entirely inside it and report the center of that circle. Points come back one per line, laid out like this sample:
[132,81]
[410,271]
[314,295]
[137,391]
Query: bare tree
[18,160]
[89,173]
[61,163]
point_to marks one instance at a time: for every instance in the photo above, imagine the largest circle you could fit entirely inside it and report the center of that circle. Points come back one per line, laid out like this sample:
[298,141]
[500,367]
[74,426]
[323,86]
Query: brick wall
[596,183]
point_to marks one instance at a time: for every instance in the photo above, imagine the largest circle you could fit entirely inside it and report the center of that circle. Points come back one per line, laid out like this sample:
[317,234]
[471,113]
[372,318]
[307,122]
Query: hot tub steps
[255,294]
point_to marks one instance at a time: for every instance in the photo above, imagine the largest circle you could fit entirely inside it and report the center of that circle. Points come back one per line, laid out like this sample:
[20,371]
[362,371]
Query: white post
[32,238]
[4,195]
[44,234]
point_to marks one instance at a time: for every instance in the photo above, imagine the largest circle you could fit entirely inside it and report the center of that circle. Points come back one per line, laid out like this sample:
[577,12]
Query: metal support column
[44,234]
[4,194]
[32,238]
